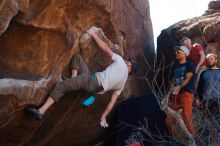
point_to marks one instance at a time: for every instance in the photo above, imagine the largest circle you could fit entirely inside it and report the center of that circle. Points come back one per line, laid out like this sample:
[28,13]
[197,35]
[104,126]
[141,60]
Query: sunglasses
[179,51]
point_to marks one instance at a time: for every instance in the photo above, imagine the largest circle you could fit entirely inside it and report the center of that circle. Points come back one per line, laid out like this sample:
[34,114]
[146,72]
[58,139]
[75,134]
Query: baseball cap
[210,54]
[184,49]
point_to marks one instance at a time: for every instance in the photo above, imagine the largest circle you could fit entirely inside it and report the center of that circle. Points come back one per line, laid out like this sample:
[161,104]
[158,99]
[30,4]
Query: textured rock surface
[204,28]
[37,42]
[8,9]
[214,6]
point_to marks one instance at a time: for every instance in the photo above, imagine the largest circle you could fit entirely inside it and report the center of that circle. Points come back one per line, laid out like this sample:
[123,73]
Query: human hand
[197,102]
[103,122]
[197,69]
[176,90]
[91,30]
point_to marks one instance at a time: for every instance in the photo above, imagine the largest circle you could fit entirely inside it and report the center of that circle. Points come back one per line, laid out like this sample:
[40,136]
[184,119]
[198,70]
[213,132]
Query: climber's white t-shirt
[114,76]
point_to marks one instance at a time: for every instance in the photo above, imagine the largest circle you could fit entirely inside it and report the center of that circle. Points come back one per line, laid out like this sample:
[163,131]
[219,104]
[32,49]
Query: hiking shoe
[88,101]
[35,113]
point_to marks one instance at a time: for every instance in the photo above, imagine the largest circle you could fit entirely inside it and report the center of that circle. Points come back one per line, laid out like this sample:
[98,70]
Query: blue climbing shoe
[88,101]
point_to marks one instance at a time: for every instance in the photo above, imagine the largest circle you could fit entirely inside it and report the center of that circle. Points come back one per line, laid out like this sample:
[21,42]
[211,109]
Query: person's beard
[211,65]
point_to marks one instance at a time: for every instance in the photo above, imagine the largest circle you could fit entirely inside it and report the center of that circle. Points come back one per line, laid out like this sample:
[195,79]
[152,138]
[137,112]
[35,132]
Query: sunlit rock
[38,40]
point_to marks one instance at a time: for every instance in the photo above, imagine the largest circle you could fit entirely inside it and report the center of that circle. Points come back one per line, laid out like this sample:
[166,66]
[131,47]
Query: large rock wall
[37,41]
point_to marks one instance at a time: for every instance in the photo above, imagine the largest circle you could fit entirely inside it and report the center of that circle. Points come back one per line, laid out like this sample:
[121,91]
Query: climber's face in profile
[132,66]
[128,63]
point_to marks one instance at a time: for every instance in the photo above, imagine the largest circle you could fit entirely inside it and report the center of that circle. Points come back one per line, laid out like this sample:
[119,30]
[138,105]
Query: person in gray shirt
[208,91]
[113,78]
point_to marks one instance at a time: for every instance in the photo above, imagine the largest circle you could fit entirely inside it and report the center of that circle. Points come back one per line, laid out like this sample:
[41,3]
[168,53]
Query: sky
[165,13]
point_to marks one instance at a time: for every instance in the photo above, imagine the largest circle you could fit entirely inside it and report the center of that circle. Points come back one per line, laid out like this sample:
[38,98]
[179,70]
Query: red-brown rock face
[37,41]
[214,6]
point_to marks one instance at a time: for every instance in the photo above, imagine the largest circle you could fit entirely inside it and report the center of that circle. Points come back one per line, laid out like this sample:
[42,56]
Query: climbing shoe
[35,113]
[88,101]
